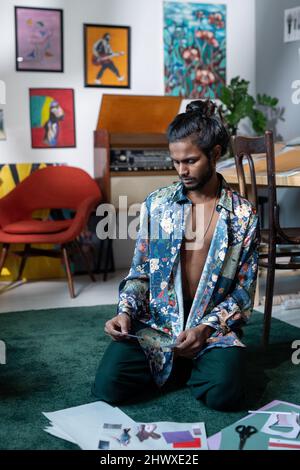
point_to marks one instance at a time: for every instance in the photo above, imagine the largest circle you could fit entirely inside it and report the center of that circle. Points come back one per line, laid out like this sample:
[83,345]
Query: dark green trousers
[217,377]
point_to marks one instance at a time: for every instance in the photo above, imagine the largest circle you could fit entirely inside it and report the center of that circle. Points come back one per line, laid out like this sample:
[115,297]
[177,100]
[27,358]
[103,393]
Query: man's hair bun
[204,108]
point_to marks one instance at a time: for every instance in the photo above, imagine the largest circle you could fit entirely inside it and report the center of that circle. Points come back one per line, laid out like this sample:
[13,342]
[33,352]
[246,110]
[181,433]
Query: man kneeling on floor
[195,291]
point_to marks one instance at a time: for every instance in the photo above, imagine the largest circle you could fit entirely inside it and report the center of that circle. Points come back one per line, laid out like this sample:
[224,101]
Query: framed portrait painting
[52,117]
[106,56]
[39,39]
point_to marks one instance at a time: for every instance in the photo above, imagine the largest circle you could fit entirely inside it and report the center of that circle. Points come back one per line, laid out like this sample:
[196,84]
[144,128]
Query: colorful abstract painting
[194,49]
[52,117]
[39,39]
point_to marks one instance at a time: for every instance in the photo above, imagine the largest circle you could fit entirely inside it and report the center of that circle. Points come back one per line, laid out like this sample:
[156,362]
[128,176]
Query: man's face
[194,168]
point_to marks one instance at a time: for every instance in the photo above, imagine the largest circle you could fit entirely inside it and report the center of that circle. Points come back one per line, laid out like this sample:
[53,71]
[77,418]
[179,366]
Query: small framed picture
[2,130]
[39,39]
[106,56]
[292,24]
[52,117]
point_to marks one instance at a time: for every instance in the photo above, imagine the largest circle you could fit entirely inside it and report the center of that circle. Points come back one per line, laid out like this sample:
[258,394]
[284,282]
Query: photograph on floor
[106,56]
[194,38]
[39,39]
[52,117]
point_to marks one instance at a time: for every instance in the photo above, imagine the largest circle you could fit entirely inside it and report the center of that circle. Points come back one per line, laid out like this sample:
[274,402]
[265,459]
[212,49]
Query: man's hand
[118,327]
[191,341]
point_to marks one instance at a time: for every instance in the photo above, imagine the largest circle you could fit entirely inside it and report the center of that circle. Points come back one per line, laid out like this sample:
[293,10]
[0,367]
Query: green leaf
[226,96]
[259,121]
[265,100]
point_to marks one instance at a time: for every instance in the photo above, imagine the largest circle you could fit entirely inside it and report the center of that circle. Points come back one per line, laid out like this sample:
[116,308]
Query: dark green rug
[52,356]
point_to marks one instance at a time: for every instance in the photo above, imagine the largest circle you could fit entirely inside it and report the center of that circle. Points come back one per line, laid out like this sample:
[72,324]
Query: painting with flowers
[194,49]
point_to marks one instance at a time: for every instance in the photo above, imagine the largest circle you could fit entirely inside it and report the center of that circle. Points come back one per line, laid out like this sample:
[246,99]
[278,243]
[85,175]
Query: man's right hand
[118,327]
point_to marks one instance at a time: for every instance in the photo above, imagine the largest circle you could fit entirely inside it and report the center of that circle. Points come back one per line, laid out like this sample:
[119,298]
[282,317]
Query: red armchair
[55,187]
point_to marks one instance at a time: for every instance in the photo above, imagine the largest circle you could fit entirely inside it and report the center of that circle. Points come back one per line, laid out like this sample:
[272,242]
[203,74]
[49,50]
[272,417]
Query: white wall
[146,20]
[278,65]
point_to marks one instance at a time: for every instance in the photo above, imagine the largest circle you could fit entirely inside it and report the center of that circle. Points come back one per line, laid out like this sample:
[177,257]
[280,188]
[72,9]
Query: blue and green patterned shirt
[152,291]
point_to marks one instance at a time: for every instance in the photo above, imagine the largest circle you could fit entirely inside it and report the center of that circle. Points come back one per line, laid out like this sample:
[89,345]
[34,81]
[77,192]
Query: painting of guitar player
[106,56]
[52,118]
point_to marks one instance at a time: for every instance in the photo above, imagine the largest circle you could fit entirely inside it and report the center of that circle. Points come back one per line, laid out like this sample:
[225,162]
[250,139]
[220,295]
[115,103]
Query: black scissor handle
[251,430]
[240,429]
[245,431]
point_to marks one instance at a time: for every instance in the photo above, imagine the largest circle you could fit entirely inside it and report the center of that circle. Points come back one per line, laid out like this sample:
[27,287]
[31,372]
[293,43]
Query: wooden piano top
[137,114]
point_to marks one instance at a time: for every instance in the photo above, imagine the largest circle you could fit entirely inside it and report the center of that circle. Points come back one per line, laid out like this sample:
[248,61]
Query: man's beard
[200,183]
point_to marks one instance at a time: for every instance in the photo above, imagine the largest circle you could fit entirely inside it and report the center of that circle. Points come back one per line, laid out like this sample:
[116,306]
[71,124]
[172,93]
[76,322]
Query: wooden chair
[274,237]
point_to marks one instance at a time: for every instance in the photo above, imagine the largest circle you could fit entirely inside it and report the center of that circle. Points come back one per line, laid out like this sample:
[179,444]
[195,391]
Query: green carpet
[52,356]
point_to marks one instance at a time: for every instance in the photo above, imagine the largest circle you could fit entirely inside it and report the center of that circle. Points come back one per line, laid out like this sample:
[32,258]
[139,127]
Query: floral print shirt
[152,291]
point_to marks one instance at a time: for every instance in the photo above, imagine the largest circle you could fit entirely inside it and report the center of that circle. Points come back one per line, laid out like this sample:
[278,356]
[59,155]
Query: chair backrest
[245,147]
[53,187]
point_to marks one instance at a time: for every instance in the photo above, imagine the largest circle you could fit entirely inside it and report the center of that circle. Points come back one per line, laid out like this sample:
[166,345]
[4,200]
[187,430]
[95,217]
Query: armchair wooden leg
[256,298]
[99,259]
[268,304]
[68,270]
[109,259]
[23,261]
[3,255]
[113,268]
[106,248]
[86,260]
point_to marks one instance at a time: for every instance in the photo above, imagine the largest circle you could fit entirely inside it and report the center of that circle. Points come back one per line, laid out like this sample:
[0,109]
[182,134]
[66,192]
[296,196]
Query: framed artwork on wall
[52,117]
[194,49]
[2,130]
[39,39]
[292,24]
[106,56]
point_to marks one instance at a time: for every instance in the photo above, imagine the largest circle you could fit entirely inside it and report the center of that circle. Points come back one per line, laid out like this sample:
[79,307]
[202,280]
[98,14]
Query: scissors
[245,432]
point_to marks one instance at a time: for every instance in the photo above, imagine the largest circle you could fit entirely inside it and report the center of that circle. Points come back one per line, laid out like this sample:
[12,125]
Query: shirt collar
[225,200]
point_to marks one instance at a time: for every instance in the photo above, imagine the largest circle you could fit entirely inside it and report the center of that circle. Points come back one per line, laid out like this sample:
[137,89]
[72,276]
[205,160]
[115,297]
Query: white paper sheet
[99,426]
[57,432]
[83,424]
[291,425]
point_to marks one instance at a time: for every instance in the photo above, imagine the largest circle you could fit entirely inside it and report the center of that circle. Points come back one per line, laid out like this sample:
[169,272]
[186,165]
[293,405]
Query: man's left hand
[191,341]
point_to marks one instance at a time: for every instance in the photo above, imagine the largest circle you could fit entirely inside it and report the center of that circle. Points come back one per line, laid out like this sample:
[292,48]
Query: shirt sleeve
[96,47]
[234,312]
[134,289]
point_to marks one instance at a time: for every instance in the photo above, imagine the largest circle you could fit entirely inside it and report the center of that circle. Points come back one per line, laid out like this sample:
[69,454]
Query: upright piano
[131,156]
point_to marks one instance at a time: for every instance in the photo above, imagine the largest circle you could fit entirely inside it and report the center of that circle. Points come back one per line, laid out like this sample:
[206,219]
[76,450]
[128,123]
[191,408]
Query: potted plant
[239,104]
